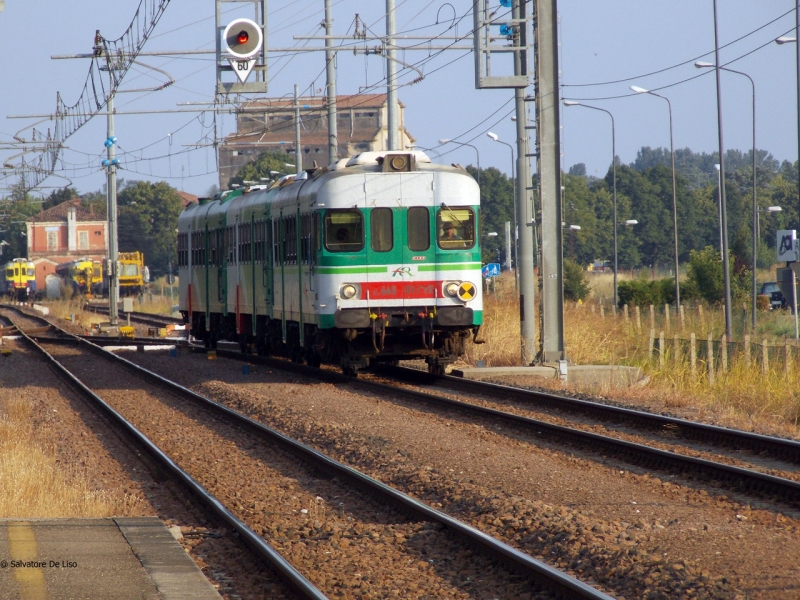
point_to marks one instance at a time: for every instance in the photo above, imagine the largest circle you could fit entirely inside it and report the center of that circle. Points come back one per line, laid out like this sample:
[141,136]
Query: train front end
[400,264]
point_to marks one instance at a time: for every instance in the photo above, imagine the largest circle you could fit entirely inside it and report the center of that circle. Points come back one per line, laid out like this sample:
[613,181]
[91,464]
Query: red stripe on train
[409,290]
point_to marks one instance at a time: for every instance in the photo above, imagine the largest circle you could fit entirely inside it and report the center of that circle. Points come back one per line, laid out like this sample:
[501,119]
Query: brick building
[64,233]
[267,124]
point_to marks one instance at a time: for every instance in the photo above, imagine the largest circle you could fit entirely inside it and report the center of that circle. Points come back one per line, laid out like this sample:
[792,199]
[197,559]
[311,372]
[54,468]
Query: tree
[263,166]
[148,218]
[497,207]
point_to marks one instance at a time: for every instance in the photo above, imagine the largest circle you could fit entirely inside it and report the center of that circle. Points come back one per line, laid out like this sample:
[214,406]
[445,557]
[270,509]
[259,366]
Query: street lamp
[614,177]
[786,40]
[448,140]
[701,65]
[514,197]
[640,90]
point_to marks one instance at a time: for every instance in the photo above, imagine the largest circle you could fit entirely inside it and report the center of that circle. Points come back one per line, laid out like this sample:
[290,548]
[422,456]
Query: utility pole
[330,71]
[298,151]
[549,160]
[111,192]
[391,79]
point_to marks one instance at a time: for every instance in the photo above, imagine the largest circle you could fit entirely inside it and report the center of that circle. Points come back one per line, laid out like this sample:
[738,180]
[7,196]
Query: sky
[650,44]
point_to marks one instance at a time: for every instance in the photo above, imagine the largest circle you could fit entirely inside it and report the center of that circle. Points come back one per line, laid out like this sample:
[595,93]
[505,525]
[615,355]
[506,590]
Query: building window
[83,240]
[52,240]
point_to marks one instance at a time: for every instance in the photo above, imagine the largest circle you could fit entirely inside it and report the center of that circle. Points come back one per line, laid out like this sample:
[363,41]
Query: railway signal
[244,39]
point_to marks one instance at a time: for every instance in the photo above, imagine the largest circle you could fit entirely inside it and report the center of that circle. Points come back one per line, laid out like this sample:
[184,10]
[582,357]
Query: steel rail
[543,574]
[775,447]
[262,549]
[737,479]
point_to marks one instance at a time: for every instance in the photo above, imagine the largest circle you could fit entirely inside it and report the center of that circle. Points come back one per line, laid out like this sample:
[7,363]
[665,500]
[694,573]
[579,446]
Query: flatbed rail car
[19,279]
[374,258]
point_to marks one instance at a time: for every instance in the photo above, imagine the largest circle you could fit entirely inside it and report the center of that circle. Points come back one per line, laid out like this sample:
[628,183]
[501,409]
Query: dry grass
[34,485]
[593,335]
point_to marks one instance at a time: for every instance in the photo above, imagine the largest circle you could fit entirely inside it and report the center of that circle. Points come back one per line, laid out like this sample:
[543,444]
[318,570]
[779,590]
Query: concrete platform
[595,376]
[120,558]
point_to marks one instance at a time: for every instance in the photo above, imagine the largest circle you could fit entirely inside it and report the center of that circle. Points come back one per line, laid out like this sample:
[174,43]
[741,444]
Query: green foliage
[576,283]
[497,207]
[262,167]
[14,213]
[148,218]
[706,275]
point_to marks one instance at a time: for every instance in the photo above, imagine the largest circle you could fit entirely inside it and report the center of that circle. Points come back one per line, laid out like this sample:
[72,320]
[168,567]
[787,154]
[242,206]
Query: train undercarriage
[353,344]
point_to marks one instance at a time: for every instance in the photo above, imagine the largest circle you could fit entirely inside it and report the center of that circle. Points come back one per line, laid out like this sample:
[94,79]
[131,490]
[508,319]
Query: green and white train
[374,258]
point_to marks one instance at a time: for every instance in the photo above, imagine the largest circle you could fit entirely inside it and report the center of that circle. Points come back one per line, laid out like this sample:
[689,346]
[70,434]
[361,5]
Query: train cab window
[344,230]
[455,228]
[419,228]
[31,272]
[9,272]
[380,229]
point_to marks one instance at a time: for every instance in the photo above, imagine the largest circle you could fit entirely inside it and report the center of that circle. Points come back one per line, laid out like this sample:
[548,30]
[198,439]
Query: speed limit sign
[242,67]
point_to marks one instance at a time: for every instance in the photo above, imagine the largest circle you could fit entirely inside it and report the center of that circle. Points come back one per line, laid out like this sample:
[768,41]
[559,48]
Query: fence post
[650,343]
[747,350]
[676,350]
[764,357]
[661,349]
[710,361]
[683,318]
[638,319]
[614,309]
[666,316]
[693,353]
[723,351]
[652,317]
[625,313]
[602,311]
[786,356]
[592,308]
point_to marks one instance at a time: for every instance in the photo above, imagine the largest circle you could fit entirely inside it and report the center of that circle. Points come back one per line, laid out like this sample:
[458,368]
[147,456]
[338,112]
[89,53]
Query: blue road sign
[491,270]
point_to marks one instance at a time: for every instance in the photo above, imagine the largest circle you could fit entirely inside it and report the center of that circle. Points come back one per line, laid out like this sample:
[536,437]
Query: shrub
[705,274]
[576,284]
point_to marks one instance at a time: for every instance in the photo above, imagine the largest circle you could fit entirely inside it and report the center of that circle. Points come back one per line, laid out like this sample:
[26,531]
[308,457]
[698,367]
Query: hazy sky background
[600,42]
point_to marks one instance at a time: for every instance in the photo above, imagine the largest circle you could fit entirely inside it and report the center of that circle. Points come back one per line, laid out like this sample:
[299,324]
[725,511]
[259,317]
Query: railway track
[727,477]
[149,319]
[446,538]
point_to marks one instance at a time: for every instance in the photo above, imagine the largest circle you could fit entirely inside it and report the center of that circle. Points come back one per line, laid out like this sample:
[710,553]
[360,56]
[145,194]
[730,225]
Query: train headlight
[349,291]
[451,288]
[467,291]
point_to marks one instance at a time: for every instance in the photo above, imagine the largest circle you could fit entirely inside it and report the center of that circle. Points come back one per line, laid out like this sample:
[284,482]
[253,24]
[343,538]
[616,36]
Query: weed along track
[345,534]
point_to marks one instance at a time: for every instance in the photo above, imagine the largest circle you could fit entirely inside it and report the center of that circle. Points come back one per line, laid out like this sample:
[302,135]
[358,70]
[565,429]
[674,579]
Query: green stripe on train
[450,267]
[348,270]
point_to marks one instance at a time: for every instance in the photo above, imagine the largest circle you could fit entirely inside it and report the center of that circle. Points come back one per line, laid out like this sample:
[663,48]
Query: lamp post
[640,90]
[514,200]
[786,40]
[701,65]
[614,178]
[448,141]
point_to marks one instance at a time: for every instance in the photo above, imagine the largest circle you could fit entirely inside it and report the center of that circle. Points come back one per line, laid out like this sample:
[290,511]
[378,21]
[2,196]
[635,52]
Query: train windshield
[455,228]
[344,230]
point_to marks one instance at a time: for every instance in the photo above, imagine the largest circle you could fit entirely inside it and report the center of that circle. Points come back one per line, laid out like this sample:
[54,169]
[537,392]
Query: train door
[268,270]
[417,235]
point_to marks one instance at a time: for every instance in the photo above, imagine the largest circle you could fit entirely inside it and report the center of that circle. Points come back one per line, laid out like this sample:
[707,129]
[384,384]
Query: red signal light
[242,37]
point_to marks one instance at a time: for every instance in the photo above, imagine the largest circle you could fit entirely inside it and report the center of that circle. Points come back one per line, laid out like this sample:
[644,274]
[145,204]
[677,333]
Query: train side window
[455,228]
[419,228]
[344,231]
[381,229]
